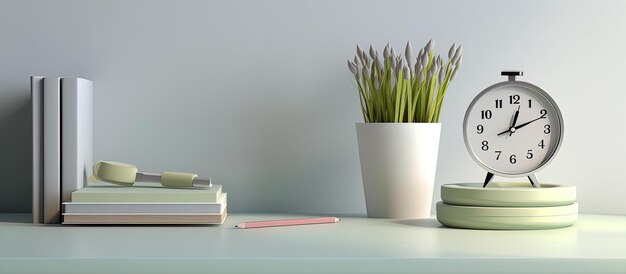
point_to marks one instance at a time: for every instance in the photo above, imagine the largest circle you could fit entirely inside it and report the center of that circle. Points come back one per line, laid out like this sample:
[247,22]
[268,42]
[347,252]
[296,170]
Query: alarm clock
[513,129]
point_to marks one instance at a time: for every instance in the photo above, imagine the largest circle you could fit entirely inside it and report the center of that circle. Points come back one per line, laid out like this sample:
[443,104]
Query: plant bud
[352,67]
[454,72]
[379,63]
[372,52]
[457,54]
[425,59]
[451,51]
[441,73]
[430,46]
[359,51]
[386,52]
[398,66]
[408,51]
[430,74]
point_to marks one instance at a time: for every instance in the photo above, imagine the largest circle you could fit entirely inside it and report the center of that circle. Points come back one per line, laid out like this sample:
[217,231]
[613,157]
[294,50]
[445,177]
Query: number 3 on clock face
[513,128]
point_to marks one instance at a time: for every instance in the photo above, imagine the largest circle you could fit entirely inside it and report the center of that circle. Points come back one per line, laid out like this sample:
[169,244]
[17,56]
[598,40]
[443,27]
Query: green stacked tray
[507,206]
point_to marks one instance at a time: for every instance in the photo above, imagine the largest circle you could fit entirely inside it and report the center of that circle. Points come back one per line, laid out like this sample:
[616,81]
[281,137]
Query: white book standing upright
[51,150]
[36,93]
[77,134]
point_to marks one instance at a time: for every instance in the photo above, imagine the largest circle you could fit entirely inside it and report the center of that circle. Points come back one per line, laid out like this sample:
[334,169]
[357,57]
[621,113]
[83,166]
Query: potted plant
[401,97]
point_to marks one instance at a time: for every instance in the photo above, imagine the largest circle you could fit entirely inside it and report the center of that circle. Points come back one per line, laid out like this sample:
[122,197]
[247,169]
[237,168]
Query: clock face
[513,128]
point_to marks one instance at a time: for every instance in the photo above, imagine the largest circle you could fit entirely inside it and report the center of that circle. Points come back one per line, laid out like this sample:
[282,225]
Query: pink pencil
[273,223]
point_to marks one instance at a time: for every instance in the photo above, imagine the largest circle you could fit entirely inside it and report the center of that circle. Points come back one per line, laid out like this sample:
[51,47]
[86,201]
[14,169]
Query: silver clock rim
[535,89]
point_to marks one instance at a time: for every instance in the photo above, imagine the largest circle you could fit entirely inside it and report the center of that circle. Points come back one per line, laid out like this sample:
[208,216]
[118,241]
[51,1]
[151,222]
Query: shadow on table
[421,222]
[16,150]
[20,218]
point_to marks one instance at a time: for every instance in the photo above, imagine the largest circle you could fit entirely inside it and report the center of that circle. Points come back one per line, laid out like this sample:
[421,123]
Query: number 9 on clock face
[513,128]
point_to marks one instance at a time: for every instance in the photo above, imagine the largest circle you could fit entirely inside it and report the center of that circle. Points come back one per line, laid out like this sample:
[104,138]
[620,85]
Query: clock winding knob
[511,74]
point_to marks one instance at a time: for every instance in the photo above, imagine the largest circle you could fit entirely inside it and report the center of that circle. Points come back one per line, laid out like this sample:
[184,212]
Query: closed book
[146,218]
[151,219]
[51,150]
[77,136]
[36,96]
[145,207]
[146,192]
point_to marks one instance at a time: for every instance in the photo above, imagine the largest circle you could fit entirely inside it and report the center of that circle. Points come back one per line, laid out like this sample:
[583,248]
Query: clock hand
[512,123]
[520,126]
[508,130]
[525,124]
[514,120]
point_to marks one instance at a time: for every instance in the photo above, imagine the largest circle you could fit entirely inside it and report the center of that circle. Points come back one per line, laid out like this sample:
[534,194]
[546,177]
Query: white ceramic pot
[398,165]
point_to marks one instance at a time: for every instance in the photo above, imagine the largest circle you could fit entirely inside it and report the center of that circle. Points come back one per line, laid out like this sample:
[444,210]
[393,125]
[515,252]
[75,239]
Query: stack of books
[145,204]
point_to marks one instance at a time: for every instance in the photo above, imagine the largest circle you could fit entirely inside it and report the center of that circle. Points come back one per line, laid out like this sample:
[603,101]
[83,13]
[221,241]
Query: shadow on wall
[16,157]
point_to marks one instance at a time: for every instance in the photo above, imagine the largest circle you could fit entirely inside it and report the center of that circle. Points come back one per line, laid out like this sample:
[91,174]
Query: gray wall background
[257,93]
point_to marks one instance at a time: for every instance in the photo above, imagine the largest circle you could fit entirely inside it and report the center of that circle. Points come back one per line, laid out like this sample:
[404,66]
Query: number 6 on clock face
[513,129]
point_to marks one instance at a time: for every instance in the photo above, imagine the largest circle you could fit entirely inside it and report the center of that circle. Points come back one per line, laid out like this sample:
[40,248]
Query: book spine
[51,150]
[119,197]
[142,208]
[145,218]
[146,193]
[36,95]
[77,134]
[146,208]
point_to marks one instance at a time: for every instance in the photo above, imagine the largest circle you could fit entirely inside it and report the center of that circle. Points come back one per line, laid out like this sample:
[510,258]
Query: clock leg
[534,180]
[488,179]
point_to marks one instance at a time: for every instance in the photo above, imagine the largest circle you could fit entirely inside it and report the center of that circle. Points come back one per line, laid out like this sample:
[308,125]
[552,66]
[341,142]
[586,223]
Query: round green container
[507,218]
[508,195]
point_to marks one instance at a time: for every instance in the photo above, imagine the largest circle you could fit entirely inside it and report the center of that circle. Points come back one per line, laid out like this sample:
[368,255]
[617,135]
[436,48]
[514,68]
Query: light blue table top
[597,243]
